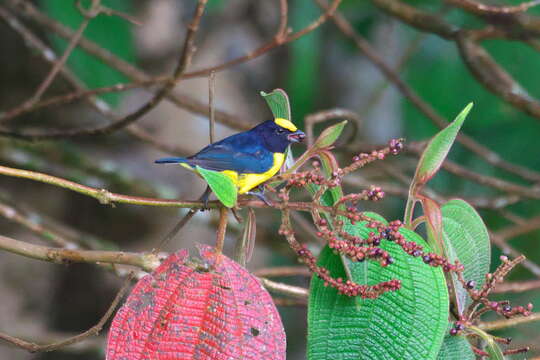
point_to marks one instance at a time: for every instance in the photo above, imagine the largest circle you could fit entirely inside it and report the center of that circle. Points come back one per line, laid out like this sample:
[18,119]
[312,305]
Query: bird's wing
[240,153]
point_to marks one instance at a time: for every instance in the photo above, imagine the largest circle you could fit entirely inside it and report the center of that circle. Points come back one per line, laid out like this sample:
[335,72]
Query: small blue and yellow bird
[248,158]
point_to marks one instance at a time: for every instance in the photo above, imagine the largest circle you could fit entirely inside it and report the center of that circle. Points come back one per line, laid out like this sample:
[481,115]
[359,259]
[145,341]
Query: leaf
[222,186]
[93,72]
[213,310]
[492,348]
[466,239]
[278,101]
[406,324]
[432,211]
[456,348]
[329,135]
[437,149]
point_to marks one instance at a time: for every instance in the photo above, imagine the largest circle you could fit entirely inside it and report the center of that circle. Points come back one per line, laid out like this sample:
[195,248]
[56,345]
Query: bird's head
[279,133]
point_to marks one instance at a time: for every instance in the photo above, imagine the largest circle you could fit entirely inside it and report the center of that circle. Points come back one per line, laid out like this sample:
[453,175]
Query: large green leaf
[111,32]
[437,149]
[222,186]
[278,101]
[406,324]
[455,348]
[466,239]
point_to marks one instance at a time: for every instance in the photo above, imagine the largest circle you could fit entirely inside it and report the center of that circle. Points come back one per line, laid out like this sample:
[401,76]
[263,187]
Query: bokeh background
[322,70]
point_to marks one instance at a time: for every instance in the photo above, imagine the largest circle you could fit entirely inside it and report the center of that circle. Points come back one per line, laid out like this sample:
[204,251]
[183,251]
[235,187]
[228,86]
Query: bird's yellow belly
[246,182]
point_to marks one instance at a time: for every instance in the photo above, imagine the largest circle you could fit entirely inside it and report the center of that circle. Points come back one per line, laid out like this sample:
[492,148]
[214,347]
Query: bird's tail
[171,160]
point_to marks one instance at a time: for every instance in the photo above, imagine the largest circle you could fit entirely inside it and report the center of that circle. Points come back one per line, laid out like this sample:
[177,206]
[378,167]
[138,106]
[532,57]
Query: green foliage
[455,348]
[278,101]
[409,323]
[222,186]
[437,149]
[466,239]
[110,32]
[330,135]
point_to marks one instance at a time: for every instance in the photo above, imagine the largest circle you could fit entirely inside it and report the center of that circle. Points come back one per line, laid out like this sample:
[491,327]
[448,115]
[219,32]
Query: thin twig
[90,14]
[211,109]
[504,323]
[222,229]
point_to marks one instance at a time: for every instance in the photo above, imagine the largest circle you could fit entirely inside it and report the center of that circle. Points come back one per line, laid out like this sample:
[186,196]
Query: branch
[501,324]
[184,60]
[365,47]
[30,12]
[483,9]
[145,261]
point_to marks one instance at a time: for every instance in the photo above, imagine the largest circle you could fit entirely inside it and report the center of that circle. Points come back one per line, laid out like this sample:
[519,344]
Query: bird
[248,158]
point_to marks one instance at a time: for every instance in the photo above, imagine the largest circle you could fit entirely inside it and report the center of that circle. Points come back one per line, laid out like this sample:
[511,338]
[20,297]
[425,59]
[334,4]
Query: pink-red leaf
[212,311]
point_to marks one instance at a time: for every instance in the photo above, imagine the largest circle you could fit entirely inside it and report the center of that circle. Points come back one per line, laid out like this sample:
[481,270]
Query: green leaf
[437,149]
[110,32]
[492,348]
[406,324]
[329,135]
[466,239]
[455,348]
[222,186]
[278,101]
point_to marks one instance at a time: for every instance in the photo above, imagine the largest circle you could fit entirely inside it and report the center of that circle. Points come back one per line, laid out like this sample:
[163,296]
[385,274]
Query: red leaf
[213,311]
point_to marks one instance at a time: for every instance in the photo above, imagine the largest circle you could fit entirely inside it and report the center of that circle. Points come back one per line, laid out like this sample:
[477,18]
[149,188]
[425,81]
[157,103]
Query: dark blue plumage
[251,151]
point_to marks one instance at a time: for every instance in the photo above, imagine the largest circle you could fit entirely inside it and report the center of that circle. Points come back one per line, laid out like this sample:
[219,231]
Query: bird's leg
[204,198]
[260,194]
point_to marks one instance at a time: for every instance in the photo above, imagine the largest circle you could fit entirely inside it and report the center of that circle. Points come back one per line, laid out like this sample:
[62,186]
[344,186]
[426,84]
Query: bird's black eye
[280,131]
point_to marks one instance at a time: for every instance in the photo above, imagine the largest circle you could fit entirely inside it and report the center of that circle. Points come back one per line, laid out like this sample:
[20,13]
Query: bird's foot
[261,196]
[204,198]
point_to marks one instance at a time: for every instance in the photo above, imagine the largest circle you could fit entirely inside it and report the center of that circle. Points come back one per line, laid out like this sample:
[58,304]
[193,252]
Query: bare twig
[211,109]
[95,9]
[483,9]
[222,229]
[504,323]
[363,45]
[285,289]
[282,271]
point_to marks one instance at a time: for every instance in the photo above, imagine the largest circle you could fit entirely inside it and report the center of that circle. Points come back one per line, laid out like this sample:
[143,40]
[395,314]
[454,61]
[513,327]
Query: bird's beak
[297,136]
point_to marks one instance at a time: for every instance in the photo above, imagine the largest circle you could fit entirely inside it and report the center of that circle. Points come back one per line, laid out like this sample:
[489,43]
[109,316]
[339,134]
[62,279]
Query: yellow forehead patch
[285,124]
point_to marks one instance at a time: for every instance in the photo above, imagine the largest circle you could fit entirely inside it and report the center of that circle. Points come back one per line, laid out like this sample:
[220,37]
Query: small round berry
[471,284]
[506,308]
[453,331]
[427,259]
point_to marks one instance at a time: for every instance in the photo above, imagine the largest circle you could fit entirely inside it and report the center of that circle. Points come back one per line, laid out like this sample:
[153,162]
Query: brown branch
[517,286]
[282,271]
[331,114]
[509,250]
[365,47]
[95,9]
[494,78]
[187,52]
[478,8]
[421,20]
[504,323]
[93,331]
[29,11]
[13,214]
[222,229]
[145,261]
[513,231]
[285,289]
